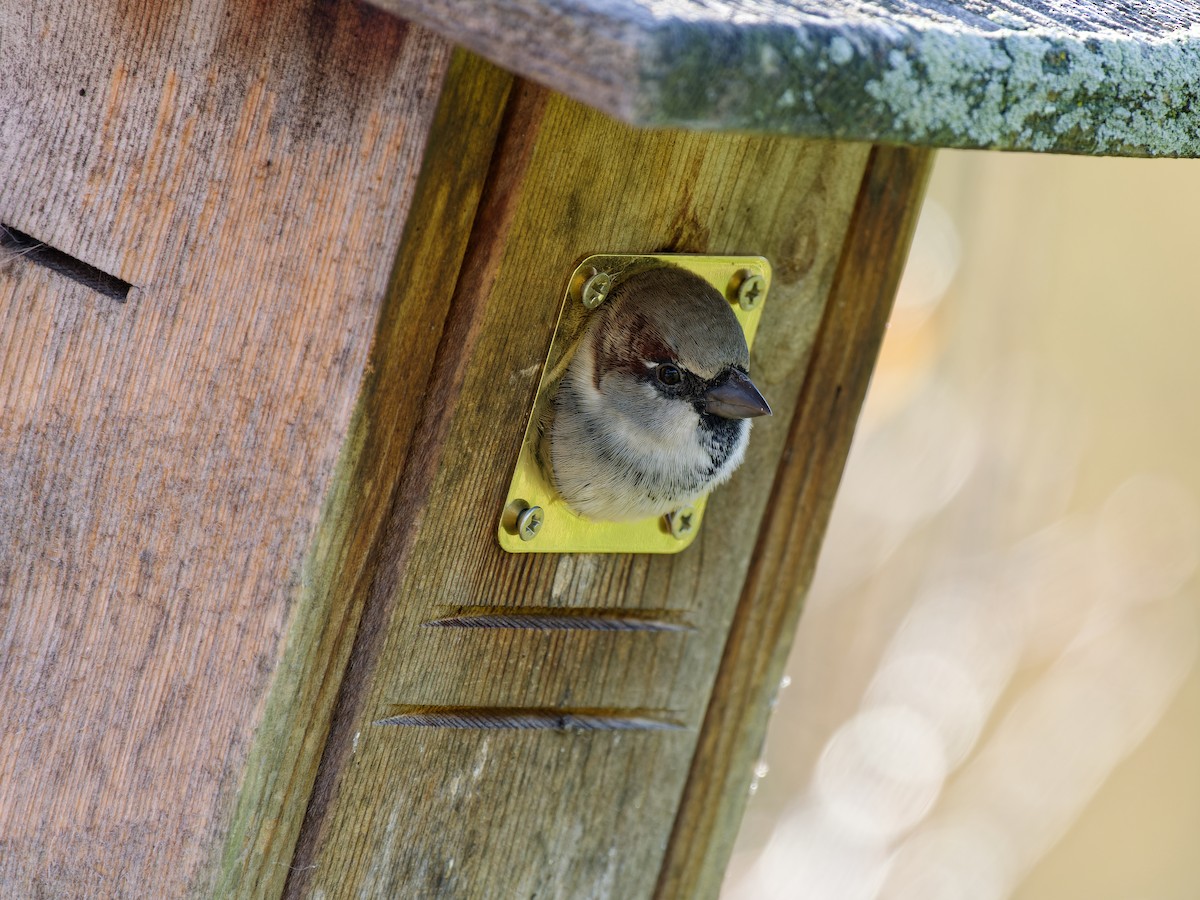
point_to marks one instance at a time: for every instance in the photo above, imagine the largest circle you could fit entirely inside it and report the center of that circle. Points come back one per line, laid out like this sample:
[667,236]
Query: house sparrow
[652,411]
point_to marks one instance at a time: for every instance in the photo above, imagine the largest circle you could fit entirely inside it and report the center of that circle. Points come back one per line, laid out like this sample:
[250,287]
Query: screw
[681,522]
[595,289]
[751,290]
[529,522]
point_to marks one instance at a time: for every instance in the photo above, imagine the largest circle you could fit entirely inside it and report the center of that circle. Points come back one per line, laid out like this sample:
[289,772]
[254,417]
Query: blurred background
[994,692]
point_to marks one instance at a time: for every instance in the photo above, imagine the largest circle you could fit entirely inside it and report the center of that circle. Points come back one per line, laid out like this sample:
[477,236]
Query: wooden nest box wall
[277,281]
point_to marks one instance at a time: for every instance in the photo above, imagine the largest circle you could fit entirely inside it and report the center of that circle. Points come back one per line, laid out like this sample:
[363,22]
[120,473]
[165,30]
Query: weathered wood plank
[340,569]
[424,811]
[163,461]
[1097,78]
[789,540]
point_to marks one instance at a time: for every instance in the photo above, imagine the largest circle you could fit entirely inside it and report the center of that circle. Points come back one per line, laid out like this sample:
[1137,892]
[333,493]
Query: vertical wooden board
[247,168]
[789,541]
[338,570]
[436,811]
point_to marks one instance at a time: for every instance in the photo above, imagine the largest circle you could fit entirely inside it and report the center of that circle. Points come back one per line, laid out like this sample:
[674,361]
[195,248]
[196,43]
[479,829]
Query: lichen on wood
[937,85]
[1009,75]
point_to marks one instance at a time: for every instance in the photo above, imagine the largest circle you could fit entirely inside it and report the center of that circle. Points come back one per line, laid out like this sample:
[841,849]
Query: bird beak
[735,398]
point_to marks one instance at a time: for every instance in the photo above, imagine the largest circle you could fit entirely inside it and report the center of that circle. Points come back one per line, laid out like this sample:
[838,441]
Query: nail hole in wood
[18,243]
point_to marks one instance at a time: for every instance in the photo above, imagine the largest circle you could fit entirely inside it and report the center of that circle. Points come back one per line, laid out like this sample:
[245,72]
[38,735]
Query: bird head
[667,344]
[654,408]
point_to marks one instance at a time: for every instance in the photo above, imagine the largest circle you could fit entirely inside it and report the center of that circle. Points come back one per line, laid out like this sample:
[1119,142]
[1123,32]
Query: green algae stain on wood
[1103,79]
[1061,95]
[937,86]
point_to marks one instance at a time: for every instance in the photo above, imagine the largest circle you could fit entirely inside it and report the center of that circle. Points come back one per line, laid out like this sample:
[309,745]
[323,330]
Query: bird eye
[669,374]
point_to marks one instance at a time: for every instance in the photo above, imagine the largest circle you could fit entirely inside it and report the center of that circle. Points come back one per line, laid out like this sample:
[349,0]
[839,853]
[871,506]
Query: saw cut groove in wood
[532,718]
[18,244]
[544,618]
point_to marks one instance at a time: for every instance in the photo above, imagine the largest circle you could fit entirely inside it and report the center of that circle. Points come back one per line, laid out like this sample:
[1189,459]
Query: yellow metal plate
[561,530]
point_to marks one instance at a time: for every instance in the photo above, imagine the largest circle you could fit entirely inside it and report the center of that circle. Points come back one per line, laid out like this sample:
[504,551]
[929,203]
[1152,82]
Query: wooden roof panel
[1116,78]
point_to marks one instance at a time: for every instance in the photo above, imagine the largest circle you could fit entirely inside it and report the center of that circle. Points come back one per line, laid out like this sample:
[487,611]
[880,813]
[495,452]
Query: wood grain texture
[789,540]
[413,496]
[339,571]
[163,461]
[559,812]
[1083,77]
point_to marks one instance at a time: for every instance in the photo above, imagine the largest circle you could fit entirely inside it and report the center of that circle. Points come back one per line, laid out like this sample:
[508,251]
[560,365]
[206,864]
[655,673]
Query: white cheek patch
[663,429]
[624,451]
